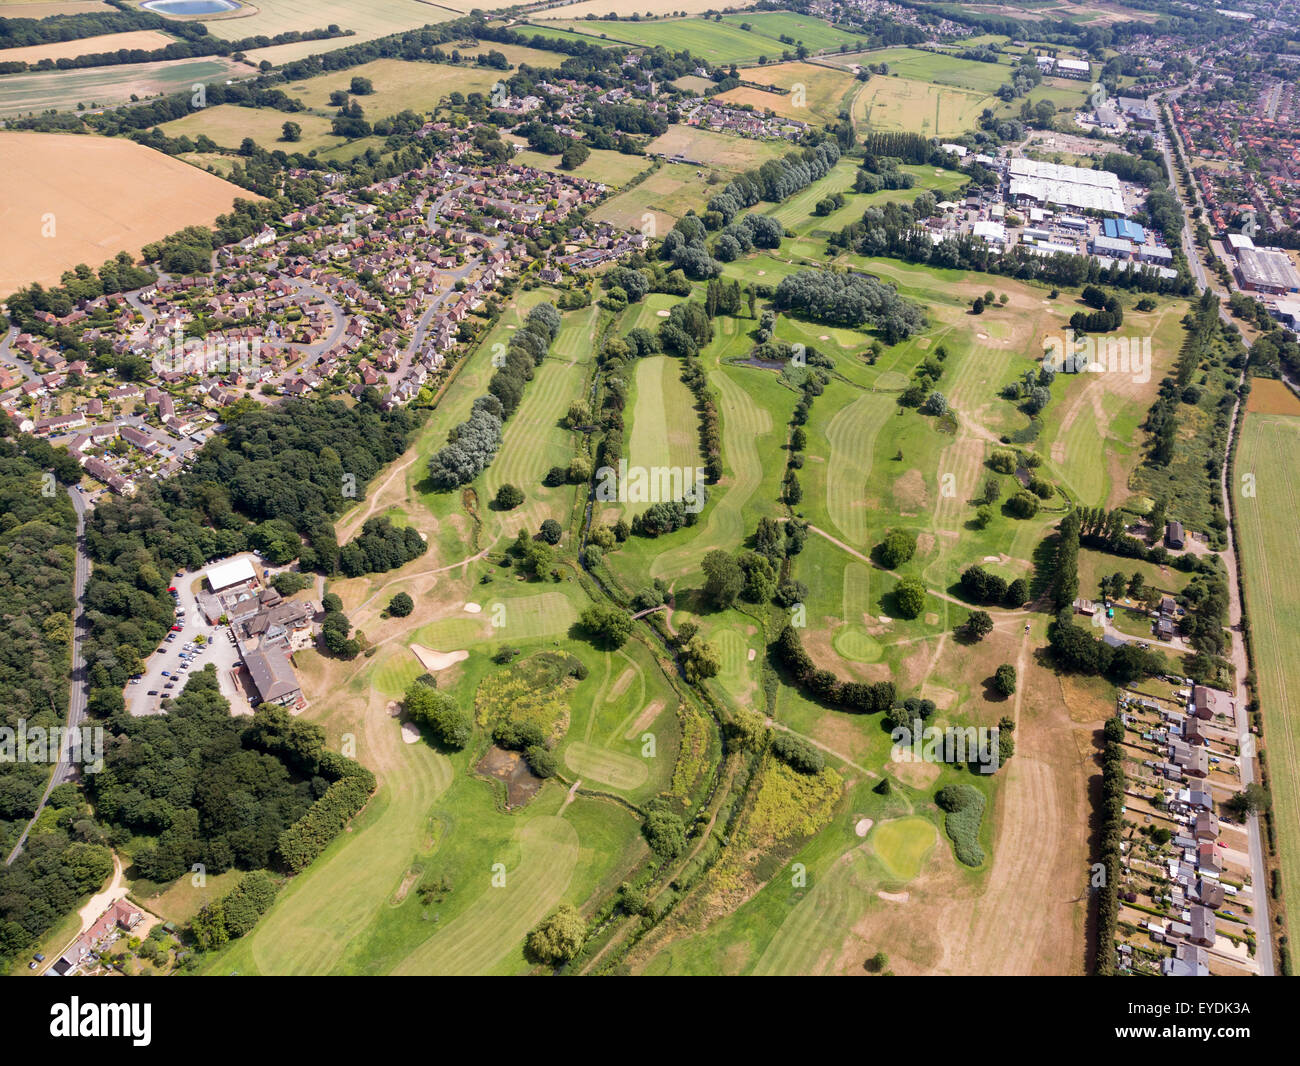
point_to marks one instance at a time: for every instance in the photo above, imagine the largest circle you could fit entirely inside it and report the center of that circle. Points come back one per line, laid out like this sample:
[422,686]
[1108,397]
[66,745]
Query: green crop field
[109,86]
[717,42]
[936,68]
[399,85]
[612,168]
[558,33]
[812,33]
[228,125]
[1268,450]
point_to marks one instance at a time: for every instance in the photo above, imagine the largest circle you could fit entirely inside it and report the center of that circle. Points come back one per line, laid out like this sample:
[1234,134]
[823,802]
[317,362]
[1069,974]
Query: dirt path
[774,724]
[996,612]
[411,577]
[569,798]
[350,523]
[101,901]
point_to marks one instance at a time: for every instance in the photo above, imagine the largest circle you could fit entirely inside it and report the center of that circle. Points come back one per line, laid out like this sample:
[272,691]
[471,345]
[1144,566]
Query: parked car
[153,692]
[176,629]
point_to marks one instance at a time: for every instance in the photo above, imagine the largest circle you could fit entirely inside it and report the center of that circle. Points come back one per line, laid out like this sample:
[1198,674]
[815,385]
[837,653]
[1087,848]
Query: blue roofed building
[1123,229]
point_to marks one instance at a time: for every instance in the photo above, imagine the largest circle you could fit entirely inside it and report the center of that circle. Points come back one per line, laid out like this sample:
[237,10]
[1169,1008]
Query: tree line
[472,445]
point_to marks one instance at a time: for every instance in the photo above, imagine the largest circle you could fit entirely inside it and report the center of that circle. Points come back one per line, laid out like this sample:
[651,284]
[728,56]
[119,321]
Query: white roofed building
[232,572]
[1051,183]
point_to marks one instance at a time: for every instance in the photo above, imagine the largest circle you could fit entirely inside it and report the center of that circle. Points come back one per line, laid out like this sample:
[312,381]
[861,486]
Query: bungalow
[1174,536]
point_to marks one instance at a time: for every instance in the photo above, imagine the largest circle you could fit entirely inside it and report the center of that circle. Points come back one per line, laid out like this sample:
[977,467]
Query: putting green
[855,643]
[903,844]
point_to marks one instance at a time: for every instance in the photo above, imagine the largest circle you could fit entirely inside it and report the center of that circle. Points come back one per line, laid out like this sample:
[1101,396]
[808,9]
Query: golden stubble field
[147,40]
[97,196]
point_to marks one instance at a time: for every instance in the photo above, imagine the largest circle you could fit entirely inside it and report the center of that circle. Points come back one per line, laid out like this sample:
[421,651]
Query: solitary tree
[559,937]
[401,605]
[1004,679]
[508,497]
[909,596]
[896,549]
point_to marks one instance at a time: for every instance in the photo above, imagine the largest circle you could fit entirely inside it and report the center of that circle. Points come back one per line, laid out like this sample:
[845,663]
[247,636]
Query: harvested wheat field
[66,200]
[145,40]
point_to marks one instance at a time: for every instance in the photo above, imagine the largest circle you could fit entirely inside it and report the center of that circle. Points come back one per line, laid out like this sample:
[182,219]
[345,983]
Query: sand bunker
[662,314]
[394,708]
[410,732]
[438,660]
[894,897]
[863,827]
[752,654]
[885,619]
[473,608]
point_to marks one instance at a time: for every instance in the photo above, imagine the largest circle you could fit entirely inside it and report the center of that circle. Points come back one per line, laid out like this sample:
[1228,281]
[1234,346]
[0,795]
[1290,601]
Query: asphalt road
[63,770]
[1258,871]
